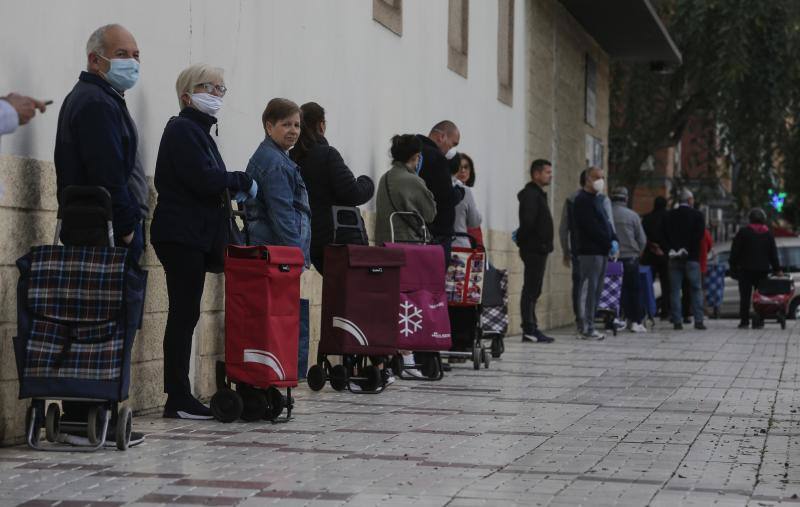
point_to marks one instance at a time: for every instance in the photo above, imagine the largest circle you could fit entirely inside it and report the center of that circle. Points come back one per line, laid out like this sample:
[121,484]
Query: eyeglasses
[210,87]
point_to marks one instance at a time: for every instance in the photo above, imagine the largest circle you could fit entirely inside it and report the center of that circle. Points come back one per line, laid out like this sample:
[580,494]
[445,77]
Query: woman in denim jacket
[279,214]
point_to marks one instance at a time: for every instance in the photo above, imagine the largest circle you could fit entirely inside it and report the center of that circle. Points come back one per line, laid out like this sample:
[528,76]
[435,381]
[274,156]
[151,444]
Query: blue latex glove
[240,197]
[253,189]
[514,235]
[614,248]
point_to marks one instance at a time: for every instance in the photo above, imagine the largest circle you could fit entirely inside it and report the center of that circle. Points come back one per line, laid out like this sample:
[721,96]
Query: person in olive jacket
[190,179]
[753,253]
[328,179]
[535,241]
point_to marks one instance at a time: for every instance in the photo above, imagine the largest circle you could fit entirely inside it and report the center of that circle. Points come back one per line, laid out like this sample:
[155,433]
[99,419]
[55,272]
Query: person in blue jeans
[596,241]
[279,214]
[684,228]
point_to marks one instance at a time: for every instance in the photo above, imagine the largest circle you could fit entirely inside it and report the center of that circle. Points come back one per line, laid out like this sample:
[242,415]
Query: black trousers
[661,269]
[748,280]
[531,289]
[185,270]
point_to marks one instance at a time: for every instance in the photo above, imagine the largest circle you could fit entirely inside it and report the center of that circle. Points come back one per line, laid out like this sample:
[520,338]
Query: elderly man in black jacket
[535,241]
[438,148]
[96,140]
[684,228]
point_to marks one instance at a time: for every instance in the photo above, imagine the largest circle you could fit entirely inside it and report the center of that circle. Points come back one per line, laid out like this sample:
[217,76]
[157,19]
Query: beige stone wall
[27,218]
[556,51]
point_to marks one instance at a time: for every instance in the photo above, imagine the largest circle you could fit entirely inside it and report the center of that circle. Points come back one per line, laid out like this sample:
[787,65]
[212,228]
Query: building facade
[511,74]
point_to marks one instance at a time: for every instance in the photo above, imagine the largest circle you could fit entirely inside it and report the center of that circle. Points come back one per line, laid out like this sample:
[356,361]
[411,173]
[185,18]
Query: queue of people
[294,178]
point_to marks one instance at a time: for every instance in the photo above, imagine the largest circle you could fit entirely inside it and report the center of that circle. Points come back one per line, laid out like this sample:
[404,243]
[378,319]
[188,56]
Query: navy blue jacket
[96,144]
[593,230]
[190,179]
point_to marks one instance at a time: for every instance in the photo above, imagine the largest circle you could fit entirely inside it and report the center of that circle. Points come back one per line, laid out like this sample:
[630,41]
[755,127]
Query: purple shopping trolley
[608,306]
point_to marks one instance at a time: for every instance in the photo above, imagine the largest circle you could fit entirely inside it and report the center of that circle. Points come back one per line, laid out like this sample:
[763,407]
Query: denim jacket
[279,214]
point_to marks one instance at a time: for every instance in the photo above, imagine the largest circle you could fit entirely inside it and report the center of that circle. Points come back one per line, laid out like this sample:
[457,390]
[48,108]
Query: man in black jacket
[97,142]
[535,241]
[596,241]
[655,255]
[437,149]
[684,228]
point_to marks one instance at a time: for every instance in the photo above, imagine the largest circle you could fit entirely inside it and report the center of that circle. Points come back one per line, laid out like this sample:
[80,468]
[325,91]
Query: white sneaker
[638,328]
[354,387]
[594,335]
[413,372]
[388,376]
[619,324]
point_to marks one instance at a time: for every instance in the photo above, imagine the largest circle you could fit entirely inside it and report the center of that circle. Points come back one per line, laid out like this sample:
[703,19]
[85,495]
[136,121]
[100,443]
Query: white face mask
[599,185]
[450,153]
[207,103]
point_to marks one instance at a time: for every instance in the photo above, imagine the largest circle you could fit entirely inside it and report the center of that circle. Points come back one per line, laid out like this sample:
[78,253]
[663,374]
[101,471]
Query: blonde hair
[194,75]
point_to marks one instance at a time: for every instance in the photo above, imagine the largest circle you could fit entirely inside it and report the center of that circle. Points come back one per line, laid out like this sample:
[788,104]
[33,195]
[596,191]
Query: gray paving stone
[660,419]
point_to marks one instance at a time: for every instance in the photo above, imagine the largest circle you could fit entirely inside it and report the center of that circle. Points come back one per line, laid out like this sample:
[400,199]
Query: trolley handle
[403,214]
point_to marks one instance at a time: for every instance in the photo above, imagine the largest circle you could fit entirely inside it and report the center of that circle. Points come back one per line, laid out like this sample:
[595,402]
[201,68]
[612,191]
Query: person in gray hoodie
[632,242]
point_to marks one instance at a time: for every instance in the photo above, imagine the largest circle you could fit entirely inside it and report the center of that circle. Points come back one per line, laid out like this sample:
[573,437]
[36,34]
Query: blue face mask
[419,163]
[123,73]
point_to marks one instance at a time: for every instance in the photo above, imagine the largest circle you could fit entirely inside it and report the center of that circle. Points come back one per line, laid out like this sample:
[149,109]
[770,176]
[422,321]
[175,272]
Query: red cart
[262,325]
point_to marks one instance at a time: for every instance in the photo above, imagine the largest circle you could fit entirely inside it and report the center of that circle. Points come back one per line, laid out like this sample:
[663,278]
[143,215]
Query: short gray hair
[97,41]
[684,195]
[194,75]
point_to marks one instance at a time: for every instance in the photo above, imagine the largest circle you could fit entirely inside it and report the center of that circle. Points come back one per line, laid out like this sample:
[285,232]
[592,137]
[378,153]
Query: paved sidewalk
[690,418]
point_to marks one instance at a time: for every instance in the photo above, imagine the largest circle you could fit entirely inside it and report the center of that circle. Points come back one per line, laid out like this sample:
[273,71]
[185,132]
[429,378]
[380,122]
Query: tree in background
[740,74]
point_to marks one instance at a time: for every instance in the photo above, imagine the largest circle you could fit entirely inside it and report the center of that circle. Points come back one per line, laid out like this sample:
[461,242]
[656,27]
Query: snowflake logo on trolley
[410,318]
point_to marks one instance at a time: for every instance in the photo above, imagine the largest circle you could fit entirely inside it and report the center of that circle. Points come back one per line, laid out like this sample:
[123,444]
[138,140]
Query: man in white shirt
[16,110]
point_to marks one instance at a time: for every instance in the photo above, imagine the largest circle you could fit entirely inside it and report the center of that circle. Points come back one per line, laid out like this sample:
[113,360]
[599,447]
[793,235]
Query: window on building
[458,36]
[389,13]
[505,52]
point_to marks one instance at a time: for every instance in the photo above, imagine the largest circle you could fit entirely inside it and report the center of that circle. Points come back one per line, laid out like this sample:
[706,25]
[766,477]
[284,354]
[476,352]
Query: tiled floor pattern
[663,419]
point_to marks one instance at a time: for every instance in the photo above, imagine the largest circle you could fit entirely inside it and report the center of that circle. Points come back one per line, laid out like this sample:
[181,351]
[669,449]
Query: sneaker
[593,335]
[744,325]
[413,372]
[638,328]
[189,408]
[355,387]
[619,324]
[388,376]
[677,326]
[543,338]
[700,326]
[528,338]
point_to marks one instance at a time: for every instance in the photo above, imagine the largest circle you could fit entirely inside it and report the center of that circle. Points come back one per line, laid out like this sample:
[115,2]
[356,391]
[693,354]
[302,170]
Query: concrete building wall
[373,84]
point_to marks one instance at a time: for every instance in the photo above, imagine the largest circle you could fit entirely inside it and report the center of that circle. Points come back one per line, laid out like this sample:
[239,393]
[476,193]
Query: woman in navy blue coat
[189,217]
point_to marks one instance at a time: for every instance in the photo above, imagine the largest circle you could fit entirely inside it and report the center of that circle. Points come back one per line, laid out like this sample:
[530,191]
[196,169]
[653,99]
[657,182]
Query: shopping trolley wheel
[315,378]
[782,320]
[95,423]
[33,425]
[254,403]
[226,405]
[373,378]
[52,422]
[275,403]
[476,356]
[124,428]
[339,377]
[487,358]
